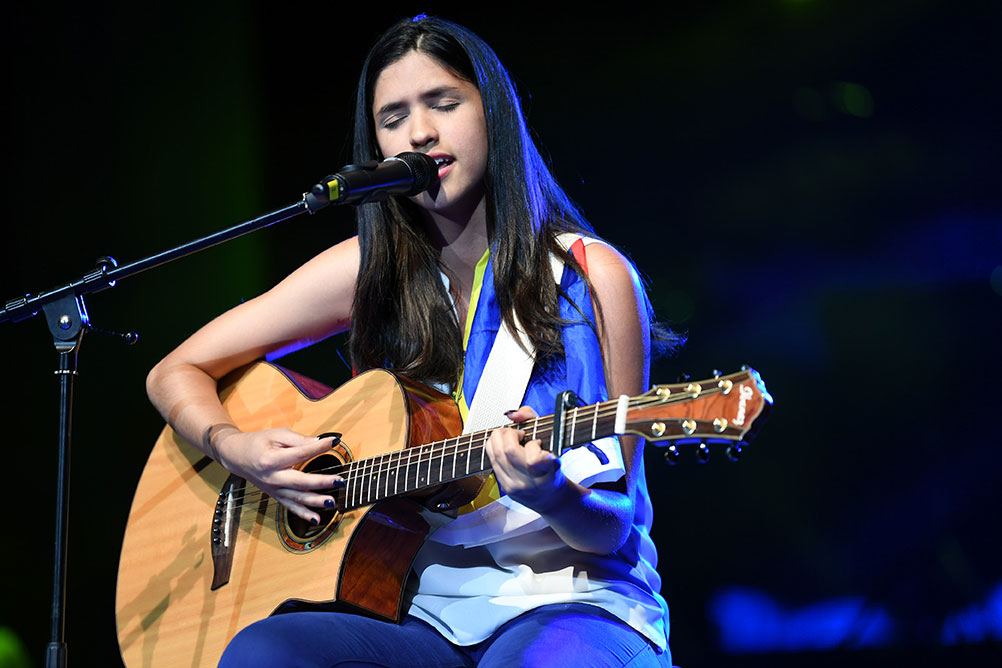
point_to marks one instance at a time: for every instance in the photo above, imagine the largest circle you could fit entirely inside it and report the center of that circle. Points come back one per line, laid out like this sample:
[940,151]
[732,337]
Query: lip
[445,161]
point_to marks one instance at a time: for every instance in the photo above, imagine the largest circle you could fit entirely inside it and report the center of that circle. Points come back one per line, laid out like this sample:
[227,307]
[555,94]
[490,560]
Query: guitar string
[429,452]
[438,449]
[453,446]
[370,467]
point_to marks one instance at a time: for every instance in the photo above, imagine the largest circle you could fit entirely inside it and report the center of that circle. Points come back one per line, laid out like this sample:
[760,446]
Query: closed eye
[393,121]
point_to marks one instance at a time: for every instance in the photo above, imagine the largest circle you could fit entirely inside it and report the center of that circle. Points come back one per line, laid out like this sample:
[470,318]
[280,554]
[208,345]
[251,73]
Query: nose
[423,130]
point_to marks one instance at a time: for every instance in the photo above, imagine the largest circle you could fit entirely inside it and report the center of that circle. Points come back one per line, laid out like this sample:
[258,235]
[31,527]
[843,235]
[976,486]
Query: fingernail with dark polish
[329,503]
[314,521]
[339,482]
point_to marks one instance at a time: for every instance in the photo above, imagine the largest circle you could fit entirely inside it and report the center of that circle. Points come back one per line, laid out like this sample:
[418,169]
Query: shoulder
[610,271]
[623,318]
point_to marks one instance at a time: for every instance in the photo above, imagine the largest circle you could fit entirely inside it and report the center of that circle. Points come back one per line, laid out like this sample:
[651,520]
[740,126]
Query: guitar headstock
[725,410]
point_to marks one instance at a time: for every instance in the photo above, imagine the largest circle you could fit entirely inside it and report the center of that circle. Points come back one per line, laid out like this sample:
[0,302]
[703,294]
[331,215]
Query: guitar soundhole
[300,535]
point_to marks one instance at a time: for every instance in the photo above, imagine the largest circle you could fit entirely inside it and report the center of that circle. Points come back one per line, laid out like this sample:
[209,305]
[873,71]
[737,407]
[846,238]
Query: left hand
[527,473]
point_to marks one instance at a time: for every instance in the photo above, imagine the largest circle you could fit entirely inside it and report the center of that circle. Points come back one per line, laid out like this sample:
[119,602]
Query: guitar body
[181,596]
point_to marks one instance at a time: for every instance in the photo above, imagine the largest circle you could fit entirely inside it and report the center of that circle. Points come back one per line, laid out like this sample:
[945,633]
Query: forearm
[187,399]
[589,519]
[595,519]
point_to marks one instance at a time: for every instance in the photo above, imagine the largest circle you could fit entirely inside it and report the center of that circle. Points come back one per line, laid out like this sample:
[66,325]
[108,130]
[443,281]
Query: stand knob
[128,338]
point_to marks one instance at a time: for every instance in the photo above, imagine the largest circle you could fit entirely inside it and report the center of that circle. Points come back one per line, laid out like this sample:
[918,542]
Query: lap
[568,634]
[328,639]
[562,634]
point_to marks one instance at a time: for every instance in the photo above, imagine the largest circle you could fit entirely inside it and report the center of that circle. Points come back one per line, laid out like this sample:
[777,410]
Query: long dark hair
[402,317]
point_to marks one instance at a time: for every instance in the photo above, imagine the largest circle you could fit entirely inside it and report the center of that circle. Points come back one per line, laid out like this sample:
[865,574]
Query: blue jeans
[566,634]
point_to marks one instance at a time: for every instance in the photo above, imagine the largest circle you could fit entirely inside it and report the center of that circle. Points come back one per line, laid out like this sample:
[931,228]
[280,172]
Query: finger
[521,415]
[544,466]
[505,443]
[297,509]
[308,498]
[500,464]
[536,460]
[534,451]
[292,439]
[296,448]
[299,480]
[497,455]
[507,435]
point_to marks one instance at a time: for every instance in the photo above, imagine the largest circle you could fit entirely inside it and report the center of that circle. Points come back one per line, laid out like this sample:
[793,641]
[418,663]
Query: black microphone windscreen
[423,167]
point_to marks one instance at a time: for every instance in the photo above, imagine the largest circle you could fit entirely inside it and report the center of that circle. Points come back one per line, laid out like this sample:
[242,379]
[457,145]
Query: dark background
[812,188]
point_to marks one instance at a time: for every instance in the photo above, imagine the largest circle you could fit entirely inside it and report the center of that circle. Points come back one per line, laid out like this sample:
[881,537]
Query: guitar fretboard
[412,469]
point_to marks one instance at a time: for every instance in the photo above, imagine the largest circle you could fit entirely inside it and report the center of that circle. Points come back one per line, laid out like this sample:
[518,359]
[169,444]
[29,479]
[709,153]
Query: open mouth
[440,161]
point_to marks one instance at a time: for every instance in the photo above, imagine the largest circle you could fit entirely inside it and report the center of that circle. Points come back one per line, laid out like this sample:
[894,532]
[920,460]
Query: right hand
[266,460]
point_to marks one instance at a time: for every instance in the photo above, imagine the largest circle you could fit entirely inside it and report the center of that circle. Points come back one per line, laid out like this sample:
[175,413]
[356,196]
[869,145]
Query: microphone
[407,173]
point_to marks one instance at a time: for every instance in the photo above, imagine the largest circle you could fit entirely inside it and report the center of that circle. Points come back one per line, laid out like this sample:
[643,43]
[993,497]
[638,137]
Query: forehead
[413,75]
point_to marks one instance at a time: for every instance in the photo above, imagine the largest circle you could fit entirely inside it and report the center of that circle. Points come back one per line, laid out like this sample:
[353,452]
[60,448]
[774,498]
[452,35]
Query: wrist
[213,436]
[562,496]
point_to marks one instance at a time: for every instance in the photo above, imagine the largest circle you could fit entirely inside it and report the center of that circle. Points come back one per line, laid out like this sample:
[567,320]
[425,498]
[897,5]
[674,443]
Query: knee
[257,646]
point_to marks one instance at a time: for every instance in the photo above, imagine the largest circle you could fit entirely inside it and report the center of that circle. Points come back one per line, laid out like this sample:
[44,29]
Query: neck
[459,237]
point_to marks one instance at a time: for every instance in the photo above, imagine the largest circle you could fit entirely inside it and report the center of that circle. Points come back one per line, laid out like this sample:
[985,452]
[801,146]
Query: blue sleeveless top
[498,559]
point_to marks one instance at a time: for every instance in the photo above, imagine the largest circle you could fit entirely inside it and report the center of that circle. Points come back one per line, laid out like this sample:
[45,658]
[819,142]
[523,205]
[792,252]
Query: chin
[450,199]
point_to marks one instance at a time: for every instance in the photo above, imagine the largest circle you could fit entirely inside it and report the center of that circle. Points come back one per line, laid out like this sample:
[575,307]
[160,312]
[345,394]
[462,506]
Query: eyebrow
[434,93]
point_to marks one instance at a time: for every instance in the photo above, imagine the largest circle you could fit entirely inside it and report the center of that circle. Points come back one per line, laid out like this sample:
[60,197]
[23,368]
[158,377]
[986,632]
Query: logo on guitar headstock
[745,395]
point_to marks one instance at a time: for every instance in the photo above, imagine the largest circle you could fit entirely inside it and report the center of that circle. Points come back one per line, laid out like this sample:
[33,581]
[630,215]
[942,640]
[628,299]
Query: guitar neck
[412,469]
[722,410]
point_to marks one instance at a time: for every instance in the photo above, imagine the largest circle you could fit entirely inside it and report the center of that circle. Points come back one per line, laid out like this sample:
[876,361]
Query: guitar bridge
[225,522]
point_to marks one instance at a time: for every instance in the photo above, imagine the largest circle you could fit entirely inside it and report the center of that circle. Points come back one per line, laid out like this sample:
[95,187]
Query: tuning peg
[734,452]
[716,373]
[703,453]
[671,454]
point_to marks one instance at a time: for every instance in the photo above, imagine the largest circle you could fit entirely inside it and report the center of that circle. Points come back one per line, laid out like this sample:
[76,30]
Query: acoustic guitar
[206,554]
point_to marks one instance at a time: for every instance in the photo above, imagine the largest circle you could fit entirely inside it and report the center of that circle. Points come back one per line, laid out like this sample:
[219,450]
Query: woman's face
[419,105]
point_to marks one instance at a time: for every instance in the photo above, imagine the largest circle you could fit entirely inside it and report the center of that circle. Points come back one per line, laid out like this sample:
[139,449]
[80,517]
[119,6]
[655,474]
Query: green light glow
[12,652]
[853,99]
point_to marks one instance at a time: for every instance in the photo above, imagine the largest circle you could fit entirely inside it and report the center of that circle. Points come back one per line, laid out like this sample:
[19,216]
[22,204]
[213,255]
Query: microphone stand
[66,315]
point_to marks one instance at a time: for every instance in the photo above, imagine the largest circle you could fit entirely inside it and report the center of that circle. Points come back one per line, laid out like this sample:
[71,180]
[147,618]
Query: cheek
[477,140]
[387,146]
